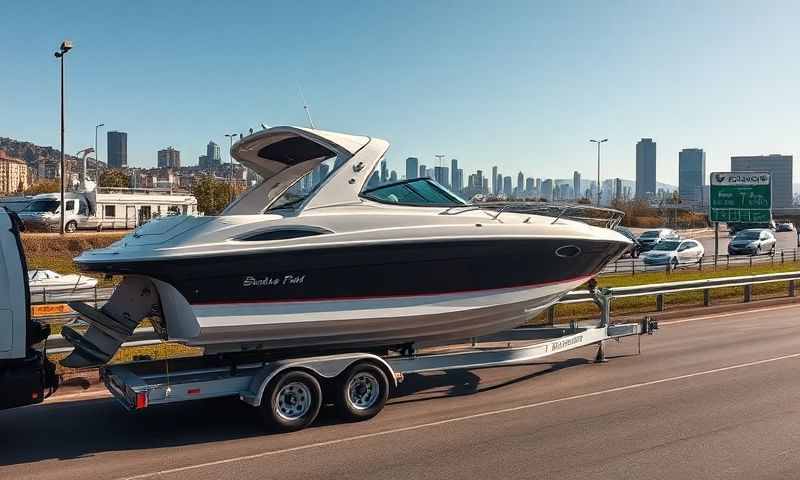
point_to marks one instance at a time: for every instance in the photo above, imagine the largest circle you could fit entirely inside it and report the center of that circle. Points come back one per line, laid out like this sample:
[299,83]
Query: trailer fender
[326,367]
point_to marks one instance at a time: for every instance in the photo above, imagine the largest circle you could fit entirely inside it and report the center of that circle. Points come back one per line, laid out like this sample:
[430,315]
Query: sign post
[739,197]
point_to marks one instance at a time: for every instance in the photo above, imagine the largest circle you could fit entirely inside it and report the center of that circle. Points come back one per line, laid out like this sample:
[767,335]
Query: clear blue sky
[520,84]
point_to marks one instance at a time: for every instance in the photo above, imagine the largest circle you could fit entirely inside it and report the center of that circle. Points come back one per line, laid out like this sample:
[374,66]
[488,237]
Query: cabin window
[70,205]
[110,211]
[282,234]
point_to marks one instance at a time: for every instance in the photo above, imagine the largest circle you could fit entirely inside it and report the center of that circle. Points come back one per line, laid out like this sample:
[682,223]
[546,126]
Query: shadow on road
[81,429]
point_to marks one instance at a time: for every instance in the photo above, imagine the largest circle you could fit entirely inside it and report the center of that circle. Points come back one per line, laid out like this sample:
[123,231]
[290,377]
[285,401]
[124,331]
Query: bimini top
[283,155]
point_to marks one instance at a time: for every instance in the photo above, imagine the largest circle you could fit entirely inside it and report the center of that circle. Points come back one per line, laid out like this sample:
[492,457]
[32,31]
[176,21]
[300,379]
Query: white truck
[105,208]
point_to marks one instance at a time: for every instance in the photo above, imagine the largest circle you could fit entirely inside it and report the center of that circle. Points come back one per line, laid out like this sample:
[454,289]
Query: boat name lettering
[288,279]
[560,344]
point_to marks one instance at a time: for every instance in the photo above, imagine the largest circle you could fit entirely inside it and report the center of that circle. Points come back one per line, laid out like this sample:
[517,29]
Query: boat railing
[599,216]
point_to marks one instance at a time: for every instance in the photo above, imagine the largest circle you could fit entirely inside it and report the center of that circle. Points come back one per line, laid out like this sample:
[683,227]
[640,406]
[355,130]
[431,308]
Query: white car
[674,252]
[50,281]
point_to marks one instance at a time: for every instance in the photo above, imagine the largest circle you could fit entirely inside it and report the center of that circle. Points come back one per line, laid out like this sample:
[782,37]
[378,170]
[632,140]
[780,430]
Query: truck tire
[291,401]
[361,391]
[71,226]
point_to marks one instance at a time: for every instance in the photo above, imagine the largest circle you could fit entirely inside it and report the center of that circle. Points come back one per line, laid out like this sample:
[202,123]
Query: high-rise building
[423,171]
[780,172]
[458,180]
[13,174]
[412,168]
[547,189]
[393,176]
[507,188]
[576,184]
[520,184]
[645,168]
[495,183]
[384,172]
[212,152]
[117,146]
[202,161]
[618,189]
[441,174]
[169,158]
[529,187]
[453,172]
[691,174]
[479,180]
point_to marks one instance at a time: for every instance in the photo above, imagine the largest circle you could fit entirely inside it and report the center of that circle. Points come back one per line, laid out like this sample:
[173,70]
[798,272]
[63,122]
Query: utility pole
[65,47]
[598,142]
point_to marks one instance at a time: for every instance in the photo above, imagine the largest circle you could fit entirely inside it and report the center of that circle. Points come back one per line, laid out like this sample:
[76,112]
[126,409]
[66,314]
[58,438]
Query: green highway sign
[744,197]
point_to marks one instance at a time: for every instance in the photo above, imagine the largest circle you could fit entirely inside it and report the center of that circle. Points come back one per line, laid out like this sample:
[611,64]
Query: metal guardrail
[147,336]
[632,266]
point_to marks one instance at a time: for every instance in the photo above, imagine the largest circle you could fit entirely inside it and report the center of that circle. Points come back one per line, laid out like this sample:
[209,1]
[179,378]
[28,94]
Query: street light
[96,156]
[65,47]
[230,162]
[598,142]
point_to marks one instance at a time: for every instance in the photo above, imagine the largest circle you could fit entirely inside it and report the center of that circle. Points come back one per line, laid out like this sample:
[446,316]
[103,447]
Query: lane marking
[730,314]
[457,419]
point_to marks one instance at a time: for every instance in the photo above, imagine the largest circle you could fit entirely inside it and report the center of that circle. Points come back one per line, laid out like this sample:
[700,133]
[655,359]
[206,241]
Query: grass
[51,251]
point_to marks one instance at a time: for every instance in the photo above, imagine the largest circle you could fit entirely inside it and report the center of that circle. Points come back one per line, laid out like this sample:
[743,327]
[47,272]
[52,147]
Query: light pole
[65,47]
[96,156]
[598,142]
[230,164]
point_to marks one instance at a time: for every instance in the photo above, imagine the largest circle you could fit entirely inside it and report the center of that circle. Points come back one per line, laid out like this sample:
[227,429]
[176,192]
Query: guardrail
[632,266]
[147,336]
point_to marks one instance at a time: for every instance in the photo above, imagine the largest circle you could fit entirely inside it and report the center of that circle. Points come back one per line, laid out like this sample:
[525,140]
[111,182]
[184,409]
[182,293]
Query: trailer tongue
[26,375]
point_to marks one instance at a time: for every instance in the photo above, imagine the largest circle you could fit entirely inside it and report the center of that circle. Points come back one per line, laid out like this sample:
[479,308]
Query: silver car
[753,241]
[651,238]
[674,252]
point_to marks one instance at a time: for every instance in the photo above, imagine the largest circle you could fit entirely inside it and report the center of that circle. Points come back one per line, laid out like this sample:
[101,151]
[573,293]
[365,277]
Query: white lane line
[730,314]
[456,419]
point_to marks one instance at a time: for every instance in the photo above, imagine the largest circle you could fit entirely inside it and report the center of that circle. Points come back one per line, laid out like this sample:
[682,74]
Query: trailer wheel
[362,391]
[71,226]
[292,401]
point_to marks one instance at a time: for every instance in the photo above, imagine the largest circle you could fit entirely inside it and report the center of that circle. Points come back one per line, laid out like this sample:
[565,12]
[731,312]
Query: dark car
[651,238]
[635,249]
[753,241]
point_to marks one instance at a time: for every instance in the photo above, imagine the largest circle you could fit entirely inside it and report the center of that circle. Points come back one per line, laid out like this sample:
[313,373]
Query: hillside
[34,154]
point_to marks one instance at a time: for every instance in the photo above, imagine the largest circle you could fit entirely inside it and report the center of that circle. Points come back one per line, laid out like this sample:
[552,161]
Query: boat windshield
[416,192]
[42,205]
[305,186]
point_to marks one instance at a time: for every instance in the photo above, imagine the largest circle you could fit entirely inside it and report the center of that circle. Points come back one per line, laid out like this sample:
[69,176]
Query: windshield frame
[673,244]
[456,200]
[748,235]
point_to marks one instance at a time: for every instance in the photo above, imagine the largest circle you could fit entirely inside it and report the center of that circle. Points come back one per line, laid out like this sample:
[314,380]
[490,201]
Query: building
[780,170]
[117,146]
[453,173]
[495,183]
[618,194]
[441,174]
[13,174]
[520,184]
[691,174]
[507,188]
[576,184]
[458,180]
[212,159]
[169,158]
[412,168]
[529,187]
[645,168]
[384,172]
[423,171]
[393,176]
[547,189]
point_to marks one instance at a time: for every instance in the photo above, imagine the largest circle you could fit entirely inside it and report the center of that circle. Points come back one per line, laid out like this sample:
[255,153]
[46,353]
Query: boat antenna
[305,107]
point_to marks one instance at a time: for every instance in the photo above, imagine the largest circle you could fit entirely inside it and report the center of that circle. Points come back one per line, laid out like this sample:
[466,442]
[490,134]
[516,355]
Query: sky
[522,85]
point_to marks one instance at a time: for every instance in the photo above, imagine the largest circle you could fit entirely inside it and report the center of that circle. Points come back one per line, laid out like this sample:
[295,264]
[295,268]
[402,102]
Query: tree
[113,178]
[212,195]
[44,186]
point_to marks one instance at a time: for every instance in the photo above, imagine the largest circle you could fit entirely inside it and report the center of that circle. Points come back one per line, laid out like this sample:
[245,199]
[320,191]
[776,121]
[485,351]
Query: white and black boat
[318,258]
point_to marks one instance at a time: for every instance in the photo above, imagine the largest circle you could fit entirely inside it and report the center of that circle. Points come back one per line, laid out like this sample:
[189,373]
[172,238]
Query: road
[711,397]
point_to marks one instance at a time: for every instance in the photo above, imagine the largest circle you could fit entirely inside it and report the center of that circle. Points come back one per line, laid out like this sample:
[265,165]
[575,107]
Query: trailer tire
[361,392]
[292,401]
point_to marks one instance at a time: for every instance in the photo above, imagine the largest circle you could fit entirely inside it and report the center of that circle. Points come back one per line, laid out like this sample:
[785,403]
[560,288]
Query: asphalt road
[712,398]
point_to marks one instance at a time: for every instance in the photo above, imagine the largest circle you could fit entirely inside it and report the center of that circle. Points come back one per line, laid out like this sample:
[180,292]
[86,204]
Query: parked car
[635,249]
[651,238]
[784,227]
[674,252]
[753,241]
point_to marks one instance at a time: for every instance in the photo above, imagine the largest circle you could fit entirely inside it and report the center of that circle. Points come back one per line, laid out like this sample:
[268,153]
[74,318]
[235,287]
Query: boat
[48,281]
[322,257]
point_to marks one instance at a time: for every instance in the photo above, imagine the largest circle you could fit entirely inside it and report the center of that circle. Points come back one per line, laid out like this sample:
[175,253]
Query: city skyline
[464,109]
